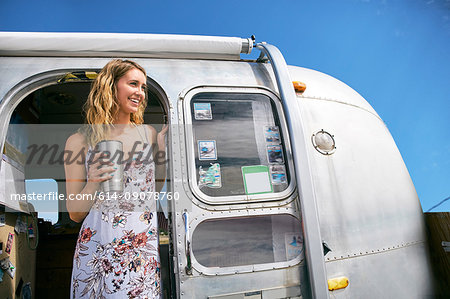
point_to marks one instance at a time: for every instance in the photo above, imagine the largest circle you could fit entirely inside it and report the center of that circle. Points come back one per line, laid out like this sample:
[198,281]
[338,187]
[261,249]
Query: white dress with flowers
[116,254]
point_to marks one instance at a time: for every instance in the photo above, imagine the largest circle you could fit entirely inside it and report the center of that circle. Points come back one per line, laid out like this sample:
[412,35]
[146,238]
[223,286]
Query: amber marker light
[299,86]
[337,283]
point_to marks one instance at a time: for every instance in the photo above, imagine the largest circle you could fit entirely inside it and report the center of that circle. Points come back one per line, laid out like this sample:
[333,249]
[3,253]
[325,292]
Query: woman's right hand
[99,169]
[82,183]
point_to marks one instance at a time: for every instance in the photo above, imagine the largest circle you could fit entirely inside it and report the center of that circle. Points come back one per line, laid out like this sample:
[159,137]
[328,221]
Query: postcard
[210,178]
[275,154]
[272,134]
[207,150]
[294,245]
[202,111]
[278,174]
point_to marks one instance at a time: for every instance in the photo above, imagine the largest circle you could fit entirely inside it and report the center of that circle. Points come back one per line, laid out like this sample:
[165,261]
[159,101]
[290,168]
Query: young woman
[116,254]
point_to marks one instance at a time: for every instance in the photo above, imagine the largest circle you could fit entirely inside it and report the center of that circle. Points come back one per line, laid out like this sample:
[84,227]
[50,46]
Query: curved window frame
[298,260]
[191,147]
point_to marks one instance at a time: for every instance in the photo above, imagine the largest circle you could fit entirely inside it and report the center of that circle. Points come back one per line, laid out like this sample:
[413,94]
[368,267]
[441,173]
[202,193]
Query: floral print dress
[116,254]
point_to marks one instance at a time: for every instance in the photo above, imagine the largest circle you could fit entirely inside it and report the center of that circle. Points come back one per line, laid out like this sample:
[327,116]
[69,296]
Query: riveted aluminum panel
[366,201]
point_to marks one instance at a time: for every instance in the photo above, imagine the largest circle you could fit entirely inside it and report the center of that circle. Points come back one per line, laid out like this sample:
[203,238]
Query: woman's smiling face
[131,89]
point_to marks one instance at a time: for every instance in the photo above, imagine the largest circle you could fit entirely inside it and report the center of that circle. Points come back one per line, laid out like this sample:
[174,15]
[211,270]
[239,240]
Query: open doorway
[49,115]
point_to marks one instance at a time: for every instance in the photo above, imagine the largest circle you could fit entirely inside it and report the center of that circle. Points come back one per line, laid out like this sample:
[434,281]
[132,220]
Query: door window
[247,240]
[238,146]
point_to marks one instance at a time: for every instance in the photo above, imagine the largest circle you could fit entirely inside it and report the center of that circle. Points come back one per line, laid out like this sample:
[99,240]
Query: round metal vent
[323,142]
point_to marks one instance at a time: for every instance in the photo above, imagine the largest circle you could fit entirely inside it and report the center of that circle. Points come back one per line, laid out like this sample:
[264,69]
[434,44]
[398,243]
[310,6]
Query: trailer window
[43,195]
[238,144]
[247,241]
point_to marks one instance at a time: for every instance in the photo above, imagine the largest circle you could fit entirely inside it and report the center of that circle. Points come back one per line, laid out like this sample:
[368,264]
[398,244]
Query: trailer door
[238,229]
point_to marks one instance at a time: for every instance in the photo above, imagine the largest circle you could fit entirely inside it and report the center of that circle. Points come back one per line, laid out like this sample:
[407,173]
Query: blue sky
[396,54]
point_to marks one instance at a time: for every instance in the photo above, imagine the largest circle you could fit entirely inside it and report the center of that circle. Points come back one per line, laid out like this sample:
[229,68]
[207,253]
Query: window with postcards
[238,146]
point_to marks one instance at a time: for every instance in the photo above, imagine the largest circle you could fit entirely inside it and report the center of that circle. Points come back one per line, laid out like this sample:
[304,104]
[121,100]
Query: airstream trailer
[282,182]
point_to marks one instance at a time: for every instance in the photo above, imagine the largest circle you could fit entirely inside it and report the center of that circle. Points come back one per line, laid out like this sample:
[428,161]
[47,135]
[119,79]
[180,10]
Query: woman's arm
[80,190]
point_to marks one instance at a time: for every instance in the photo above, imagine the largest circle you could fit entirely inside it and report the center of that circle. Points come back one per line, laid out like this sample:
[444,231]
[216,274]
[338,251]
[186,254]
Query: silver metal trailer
[274,192]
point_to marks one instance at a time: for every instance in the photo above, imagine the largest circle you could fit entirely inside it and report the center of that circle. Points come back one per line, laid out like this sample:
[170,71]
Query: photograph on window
[272,134]
[293,244]
[275,154]
[278,174]
[210,178]
[202,111]
[207,150]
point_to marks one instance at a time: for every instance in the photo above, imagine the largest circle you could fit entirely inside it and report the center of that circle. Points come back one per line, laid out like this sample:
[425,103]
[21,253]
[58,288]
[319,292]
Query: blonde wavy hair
[101,107]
